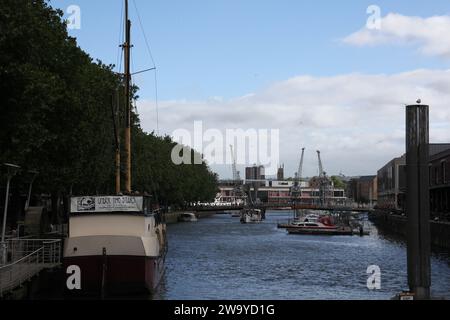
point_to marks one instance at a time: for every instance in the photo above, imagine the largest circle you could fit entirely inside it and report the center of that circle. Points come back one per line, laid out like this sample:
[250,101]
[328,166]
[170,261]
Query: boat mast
[127,47]
[117,145]
[117,167]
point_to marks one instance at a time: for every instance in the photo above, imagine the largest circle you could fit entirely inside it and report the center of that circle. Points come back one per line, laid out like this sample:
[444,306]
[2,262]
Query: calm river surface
[220,258]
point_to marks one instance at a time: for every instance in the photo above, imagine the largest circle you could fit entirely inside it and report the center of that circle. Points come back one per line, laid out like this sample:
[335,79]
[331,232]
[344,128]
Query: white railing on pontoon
[26,259]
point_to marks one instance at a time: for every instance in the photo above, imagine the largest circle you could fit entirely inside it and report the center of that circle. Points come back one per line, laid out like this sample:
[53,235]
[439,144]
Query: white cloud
[356,120]
[429,34]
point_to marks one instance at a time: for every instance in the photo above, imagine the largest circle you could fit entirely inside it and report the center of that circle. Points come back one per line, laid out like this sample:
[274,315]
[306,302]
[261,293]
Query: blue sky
[228,48]
[242,64]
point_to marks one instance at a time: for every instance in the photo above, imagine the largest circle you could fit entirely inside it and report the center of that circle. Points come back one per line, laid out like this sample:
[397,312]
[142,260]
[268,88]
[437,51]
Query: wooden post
[104,273]
[418,200]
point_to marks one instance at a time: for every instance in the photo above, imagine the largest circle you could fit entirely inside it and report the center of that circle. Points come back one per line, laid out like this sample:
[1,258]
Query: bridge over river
[279,206]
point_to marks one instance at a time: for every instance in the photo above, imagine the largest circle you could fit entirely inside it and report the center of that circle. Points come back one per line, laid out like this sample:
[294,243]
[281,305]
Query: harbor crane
[236,176]
[300,167]
[238,192]
[296,189]
[321,172]
[324,182]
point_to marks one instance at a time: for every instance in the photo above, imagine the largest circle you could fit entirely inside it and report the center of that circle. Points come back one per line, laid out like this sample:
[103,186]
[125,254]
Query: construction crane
[321,172]
[324,182]
[300,166]
[238,191]
[296,191]
[236,177]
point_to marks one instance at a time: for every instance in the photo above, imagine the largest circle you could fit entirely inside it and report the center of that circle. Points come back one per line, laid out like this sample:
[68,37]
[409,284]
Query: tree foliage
[338,183]
[55,114]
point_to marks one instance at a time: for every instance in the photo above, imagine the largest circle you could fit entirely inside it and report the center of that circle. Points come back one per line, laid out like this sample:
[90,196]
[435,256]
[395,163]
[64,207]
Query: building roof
[436,151]
[367,178]
[437,148]
[440,155]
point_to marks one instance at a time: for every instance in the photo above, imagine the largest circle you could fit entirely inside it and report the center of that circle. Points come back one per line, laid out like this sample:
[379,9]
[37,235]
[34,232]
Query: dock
[26,259]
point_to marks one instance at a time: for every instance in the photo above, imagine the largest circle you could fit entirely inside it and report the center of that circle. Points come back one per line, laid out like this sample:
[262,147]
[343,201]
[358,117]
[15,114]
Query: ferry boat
[118,242]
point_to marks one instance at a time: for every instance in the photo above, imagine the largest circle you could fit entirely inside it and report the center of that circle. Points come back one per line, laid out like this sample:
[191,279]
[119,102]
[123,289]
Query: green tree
[338,183]
[56,117]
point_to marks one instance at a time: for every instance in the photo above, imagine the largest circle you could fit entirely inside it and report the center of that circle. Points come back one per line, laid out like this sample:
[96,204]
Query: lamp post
[11,172]
[34,173]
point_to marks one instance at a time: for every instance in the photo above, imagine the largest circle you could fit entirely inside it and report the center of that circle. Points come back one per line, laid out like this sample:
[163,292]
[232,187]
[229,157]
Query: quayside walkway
[26,258]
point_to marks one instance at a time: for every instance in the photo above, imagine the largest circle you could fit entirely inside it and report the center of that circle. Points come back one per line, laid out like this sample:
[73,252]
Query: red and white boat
[118,243]
[319,226]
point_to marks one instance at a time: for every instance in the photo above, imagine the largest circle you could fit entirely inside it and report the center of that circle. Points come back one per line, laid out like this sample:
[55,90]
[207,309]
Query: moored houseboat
[118,243]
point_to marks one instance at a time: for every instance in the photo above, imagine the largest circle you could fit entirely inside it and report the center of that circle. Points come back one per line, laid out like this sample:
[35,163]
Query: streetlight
[34,173]
[11,172]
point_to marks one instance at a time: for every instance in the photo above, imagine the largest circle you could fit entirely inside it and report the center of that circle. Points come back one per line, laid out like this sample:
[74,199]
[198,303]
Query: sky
[314,70]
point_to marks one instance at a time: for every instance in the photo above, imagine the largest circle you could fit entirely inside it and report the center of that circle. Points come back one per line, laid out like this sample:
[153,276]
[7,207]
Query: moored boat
[118,243]
[306,218]
[188,217]
[319,226]
[235,214]
[315,229]
[251,215]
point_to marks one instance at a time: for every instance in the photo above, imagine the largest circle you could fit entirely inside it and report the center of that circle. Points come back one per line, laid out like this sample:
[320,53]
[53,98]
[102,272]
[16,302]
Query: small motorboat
[187,217]
[251,216]
[321,226]
[307,218]
[235,214]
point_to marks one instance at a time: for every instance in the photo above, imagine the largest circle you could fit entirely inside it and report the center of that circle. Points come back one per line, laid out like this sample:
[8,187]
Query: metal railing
[27,258]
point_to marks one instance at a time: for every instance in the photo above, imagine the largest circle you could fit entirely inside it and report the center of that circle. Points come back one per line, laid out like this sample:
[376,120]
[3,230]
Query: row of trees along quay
[57,118]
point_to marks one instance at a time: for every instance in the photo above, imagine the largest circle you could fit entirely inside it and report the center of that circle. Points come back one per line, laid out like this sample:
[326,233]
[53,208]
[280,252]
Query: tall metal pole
[27,204]
[5,212]
[418,200]
[127,47]
[12,170]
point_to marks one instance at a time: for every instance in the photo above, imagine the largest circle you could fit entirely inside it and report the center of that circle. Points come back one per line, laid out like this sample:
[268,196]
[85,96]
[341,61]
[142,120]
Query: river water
[220,258]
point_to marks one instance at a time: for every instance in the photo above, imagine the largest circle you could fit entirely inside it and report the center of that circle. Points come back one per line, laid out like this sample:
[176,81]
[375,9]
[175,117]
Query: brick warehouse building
[363,189]
[440,185]
[392,182]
